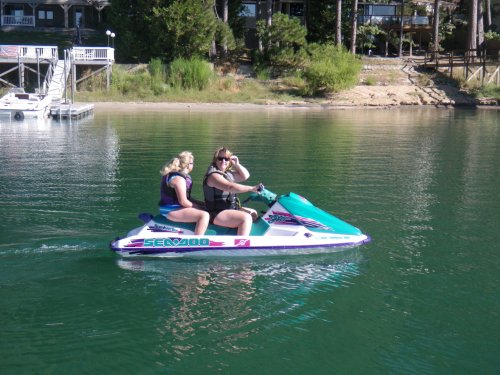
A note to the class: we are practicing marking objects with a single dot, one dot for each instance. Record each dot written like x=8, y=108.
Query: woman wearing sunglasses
x=220, y=186
x=175, y=193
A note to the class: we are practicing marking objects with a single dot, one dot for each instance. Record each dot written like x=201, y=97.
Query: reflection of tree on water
x=216, y=305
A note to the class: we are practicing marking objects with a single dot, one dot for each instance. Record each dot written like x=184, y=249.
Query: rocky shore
x=400, y=82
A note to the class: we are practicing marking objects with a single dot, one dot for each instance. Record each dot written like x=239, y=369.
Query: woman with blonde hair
x=220, y=185
x=175, y=193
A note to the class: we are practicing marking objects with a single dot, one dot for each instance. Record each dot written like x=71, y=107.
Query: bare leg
x=250, y=211
x=235, y=219
x=191, y=215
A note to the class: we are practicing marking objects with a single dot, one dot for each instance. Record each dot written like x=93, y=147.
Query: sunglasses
x=220, y=158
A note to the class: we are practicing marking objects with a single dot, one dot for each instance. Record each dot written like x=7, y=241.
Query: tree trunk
x=401, y=30
x=269, y=12
x=354, y=25
x=435, y=36
x=472, y=26
x=480, y=24
x=338, y=28
x=306, y=12
x=225, y=17
x=487, y=5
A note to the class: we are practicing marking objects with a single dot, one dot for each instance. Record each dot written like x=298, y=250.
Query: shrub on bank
x=126, y=82
x=190, y=74
x=489, y=91
x=158, y=76
x=331, y=69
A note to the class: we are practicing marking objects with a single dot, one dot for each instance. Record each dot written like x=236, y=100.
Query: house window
x=248, y=10
x=45, y=15
x=297, y=10
x=293, y=9
x=383, y=10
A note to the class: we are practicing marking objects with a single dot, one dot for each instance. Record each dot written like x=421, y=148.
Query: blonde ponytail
x=177, y=164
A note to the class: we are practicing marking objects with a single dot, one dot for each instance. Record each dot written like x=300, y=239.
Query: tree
x=230, y=26
x=283, y=42
x=186, y=28
x=472, y=26
x=338, y=27
x=354, y=25
x=480, y=24
x=321, y=23
x=132, y=21
x=225, y=18
x=487, y=5
x=269, y=12
x=367, y=35
x=435, y=34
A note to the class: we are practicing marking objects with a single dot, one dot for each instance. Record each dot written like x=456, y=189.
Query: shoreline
x=239, y=107
x=359, y=97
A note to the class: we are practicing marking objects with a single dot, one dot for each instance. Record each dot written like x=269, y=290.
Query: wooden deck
x=74, y=111
x=34, y=54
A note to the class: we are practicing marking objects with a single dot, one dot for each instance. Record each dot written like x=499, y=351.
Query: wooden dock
x=73, y=111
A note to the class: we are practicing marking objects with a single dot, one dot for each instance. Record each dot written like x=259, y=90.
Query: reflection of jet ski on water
x=290, y=225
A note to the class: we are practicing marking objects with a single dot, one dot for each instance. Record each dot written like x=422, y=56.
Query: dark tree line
x=168, y=29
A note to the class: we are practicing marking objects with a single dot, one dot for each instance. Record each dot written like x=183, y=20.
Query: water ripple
x=226, y=302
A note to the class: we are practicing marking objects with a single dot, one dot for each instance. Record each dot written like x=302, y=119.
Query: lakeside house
x=57, y=14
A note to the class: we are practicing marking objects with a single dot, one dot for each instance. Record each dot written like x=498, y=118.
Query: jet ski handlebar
x=263, y=195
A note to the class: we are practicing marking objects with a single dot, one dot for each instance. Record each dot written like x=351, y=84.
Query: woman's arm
x=219, y=182
x=240, y=172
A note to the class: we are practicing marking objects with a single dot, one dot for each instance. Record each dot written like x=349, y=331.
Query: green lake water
x=421, y=298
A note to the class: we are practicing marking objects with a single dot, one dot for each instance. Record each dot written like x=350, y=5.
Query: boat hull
x=192, y=245
x=291, y=225
x=18, y=105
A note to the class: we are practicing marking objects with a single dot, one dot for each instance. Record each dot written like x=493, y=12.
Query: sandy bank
x=384, y=83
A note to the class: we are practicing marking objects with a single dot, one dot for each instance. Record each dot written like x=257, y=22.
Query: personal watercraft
x=290, y=225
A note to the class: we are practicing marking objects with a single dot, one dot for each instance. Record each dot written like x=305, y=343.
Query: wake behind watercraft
x=290, y=225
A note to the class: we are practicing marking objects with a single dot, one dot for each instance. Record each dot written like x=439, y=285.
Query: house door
x=79, y=17
x=18, y=16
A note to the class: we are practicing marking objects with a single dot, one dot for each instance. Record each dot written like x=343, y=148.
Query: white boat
x=291, y=225
x=18, y=105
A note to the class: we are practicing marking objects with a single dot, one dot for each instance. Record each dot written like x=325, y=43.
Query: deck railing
x=395, y=20
x=471, y=63
x=93, y=53
x=28, y=52
x=50, y=53
x=8, y=20
x=43, y=52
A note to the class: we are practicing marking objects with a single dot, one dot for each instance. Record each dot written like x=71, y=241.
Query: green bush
x=282, y=42
x=492, y=35
x=157, y=71
x=489, y=91
x=126, y=82
x=330, y=69
x=190, y=74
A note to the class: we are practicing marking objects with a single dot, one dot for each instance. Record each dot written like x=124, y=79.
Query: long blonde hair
x=178, y=163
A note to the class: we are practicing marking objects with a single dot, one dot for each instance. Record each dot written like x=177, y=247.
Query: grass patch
x=136, y=86
x=370, y=81
x=489, y=91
